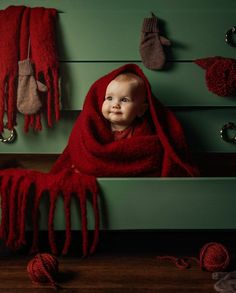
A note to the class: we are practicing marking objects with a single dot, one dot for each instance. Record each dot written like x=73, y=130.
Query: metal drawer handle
x=10, y=138
x=229, y=36
x=224, y=132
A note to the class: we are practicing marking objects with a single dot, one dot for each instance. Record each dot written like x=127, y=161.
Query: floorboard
x=124, y=262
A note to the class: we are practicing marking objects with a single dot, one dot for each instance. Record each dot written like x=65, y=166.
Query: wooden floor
x=121, y=264
x=106, y=272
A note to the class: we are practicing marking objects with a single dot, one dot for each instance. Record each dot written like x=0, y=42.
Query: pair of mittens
x=28, y=101
x=226, y=281
x=151, y=44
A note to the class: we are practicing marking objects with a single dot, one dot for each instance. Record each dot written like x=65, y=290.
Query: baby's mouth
x=116, y=112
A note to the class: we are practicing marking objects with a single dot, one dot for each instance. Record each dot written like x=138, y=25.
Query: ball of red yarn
x=43, y=268
x=214, y=257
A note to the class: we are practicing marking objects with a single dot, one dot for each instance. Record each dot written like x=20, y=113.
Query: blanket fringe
x=18, y=188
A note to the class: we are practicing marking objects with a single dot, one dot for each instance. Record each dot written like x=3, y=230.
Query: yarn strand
x=213, y=257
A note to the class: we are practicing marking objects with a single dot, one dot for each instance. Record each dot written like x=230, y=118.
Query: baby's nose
x=116, y=106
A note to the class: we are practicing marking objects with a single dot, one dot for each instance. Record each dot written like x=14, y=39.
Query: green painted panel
x=201, y=127
x=159, y=203
x=48, y=141
x=182, y=85
x=110, y=30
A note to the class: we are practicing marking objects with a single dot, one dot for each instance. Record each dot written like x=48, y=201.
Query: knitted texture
x=28, y=101
x=151, y=44
x=220, y=75
x=19, y=27
x=92, y=152
x=43, y=269
x=213, y=257
x=9, y=49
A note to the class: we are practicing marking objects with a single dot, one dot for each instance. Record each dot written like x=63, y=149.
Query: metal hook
x=9, y=139
x=224, y=132
x=229, y=36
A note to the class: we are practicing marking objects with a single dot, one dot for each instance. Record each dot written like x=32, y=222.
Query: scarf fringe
x=52, y=103
x=19, y=188
x=8, y=100
x=2, y=103
x=53, y=100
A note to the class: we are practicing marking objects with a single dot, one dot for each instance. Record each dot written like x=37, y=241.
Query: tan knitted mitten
x=28, y=101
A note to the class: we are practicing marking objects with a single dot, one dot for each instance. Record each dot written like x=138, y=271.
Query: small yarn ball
x=43, y=269
x=214, y=257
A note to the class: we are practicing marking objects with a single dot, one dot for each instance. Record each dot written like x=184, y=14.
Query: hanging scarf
x=28, y=33
x=156, y=148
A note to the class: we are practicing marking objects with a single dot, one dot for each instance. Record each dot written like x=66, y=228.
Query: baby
x=125, y=102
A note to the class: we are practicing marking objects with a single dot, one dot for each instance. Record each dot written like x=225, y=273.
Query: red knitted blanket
x=157, y=148
x=28, y=33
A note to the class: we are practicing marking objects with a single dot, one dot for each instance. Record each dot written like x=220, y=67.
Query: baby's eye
x=109, y=98
x=125, y=100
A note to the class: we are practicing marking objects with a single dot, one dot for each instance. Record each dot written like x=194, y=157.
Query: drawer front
x=183, y=86
x=198, y=203
x=93, y=30
x=201, y=126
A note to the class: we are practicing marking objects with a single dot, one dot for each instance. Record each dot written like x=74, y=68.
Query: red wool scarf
x=18, y=25
x=157, y=148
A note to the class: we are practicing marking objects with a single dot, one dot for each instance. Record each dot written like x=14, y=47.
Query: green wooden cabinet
x=97, y=36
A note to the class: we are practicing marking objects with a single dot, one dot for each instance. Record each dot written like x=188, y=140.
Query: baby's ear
x=143, y=109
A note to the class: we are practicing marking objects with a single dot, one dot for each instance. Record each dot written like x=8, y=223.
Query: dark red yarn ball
x=43, y=269
x=214, y=257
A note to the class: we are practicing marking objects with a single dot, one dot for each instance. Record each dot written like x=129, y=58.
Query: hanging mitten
x=28, y=101
x=151, y=50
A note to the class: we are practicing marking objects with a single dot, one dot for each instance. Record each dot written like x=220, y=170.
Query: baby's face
x=123, y=103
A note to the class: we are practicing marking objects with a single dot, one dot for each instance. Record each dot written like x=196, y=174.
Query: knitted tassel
x=2, y=103
x=11, y=101
x=96, y=222
x=51, y=235
x=25, y=187
x=83, y=209
x=35, y=214
x=56, y=94
x=5, y=183
x=67, y=209
x=92, y=188
x=13, y=211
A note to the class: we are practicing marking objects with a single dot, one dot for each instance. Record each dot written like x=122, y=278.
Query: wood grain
x=108, y=273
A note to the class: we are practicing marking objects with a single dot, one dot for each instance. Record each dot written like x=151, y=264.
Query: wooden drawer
x=183, y=85
x=158, y=203
x=201, y=126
